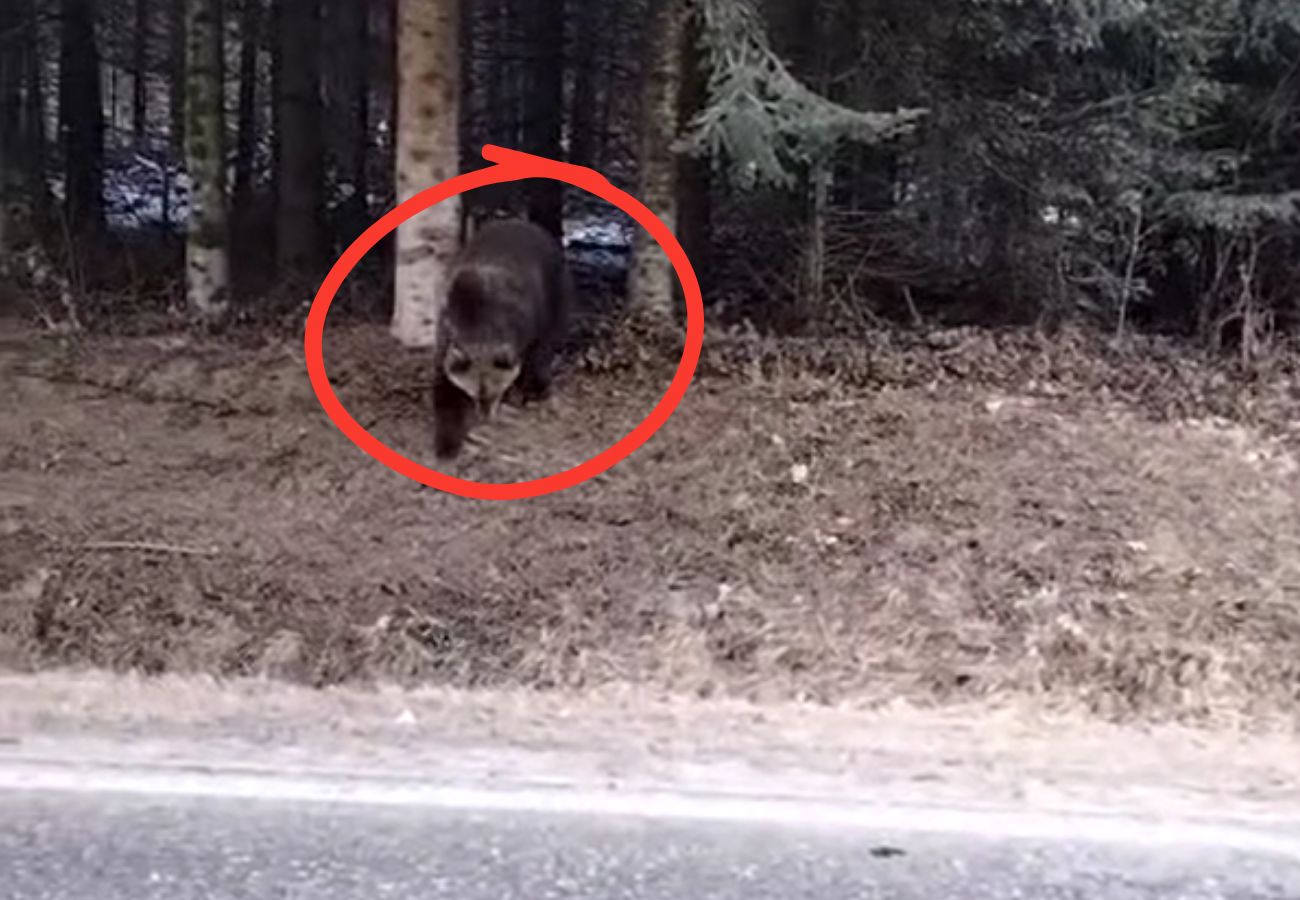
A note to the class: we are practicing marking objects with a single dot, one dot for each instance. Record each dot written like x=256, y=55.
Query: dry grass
x=972, y=516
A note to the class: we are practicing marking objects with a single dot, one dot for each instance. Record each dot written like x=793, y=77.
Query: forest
x=998, y=395
x=828, y=165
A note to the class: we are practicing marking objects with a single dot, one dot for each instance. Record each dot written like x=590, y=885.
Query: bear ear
x=456, y=359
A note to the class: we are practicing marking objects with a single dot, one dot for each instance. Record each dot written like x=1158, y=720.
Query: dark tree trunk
x=361, y=117
x=301, y=170
x=603, y=102
x=495, y=111
x=250, y=37
x=694, y=181
x=544, y=110
x=140, y=84
x=586, y=18
x=35, y=141
x=349, y=39
x=81, y=118
x=11, y=116
x=176, y=100
x=11, y=83
x=277, y=120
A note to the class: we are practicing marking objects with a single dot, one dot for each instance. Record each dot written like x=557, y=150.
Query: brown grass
x=965, y=516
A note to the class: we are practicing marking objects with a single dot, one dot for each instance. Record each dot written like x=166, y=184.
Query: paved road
x=97, y=845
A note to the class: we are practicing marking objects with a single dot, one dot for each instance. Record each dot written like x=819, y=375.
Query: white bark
x=650, y=282
x=206, y=267
x=428, y=94
x=207, y=279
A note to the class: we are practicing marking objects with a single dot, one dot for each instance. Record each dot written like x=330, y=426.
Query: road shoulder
x=1016, y=771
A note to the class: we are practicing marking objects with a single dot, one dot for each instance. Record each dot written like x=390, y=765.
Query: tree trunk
x=544, y=111
x=206, y=269
x=81, y=119
x=350, y=109
x=650, y=283
x=11, y=94
x=361, y=117
x=301, y=171
x=383, y=153
x=694, y=178
x=428, y=100
x=35, y=139
x=817, y=178
x=812, y=283
x=276, y=13
x=113, y=119
x=11, y=75
x=250, y=38
x=140, y=82
x=175, y=102
x=586, y=20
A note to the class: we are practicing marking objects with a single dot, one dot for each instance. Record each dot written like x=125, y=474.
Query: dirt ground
x=960, y=518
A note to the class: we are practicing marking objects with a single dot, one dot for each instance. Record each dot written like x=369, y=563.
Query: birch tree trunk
x=428, y=99
x=206, y=263
x=650, y=282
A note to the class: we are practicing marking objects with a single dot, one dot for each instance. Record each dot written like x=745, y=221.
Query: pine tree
x=761, y=124
x=301, y=171
x=81, y=118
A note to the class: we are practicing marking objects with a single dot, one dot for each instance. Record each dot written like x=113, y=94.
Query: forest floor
x=967, y=517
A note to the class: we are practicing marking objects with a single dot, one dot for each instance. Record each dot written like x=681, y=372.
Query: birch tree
x=206, y=262
x=650, y=281
x=428, y=94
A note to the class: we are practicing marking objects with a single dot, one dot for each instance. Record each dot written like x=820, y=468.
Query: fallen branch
x=146, y=547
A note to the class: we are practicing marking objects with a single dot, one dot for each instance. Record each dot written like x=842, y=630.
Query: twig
x=917, y=321
x=147, y=547
x=1130, y=266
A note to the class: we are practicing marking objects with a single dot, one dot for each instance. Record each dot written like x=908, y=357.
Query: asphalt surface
x=105, y=845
